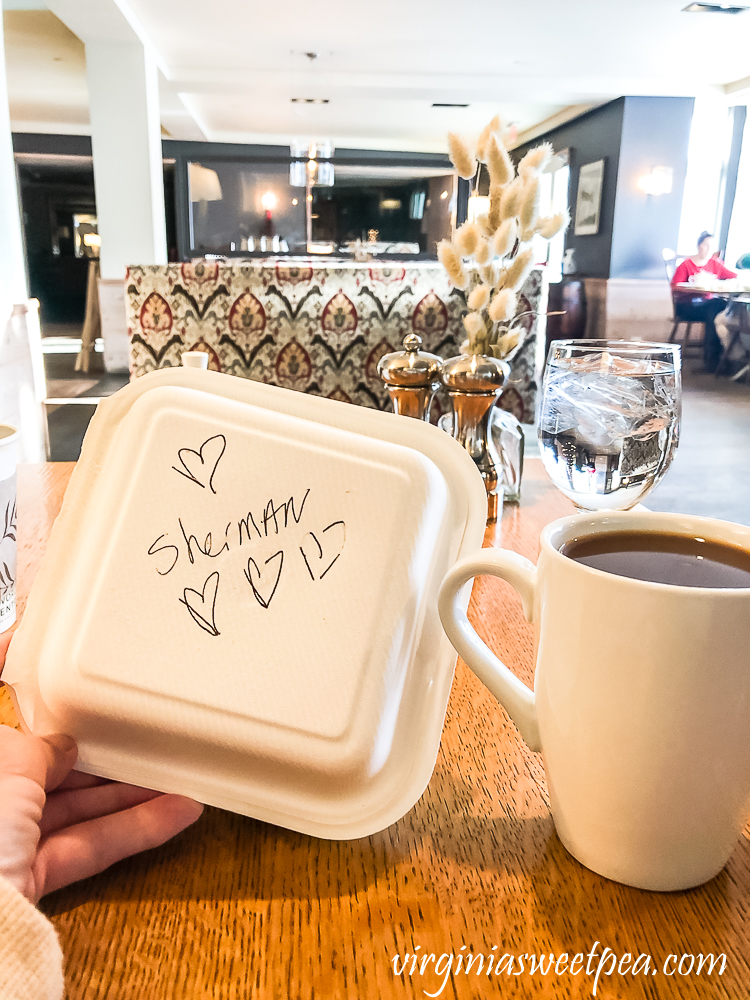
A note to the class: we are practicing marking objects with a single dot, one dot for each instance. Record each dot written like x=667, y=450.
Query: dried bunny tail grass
x=479, y=297
x=474, y=326
x=450, y=258
x=482, y=141
x=494, y=216
x=511, y=200
x=466, y=238
x=503, y=306
x=489, y=275
x=482, y=224
x=535, y=160
x=505, y=237
x=519, y=270
x=507, y=343
x=461, y=156
x=498, y=162
x=494, y=126
x=483, y=252
x=552, y=224
x=528, y=212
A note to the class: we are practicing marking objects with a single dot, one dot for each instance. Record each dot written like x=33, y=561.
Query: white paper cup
x=8, y=521
x=195, y=359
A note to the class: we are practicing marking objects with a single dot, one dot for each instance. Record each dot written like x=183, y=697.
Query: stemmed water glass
x=610, y=419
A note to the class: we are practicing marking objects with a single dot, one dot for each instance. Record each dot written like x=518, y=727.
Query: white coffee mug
x=641, y=700
x=8, y=523
x=195, y=359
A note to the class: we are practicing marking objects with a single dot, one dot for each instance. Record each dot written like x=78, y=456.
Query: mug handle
x=517, y=699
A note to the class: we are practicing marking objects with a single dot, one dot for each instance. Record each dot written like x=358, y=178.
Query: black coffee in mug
x=679, y=560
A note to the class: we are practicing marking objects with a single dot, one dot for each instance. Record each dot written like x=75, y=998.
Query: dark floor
x=710, y=474
x=67, y=422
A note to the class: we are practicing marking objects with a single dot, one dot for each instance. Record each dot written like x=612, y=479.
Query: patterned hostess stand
x=315, y=326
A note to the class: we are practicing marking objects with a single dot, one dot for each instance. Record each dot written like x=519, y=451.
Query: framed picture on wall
x=589, y=199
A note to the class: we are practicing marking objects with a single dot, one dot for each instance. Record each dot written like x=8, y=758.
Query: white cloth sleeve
x=30, y=955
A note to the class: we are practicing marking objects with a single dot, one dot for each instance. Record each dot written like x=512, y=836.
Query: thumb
x=45, y=761
x=61, y=753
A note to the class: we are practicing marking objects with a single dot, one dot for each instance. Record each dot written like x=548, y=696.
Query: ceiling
x=230, y=68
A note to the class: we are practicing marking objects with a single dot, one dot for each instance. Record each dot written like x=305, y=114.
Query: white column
x=13, y=287
x=22, y=386
x=126, y=142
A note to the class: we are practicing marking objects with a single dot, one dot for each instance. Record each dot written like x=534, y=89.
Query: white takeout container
x=238, y=601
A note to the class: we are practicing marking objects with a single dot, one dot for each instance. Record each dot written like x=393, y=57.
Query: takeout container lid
x=238, y=601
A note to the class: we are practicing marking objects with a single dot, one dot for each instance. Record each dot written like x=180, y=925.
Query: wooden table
x=234, y=908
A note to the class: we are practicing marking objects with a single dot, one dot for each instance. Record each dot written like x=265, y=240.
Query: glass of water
x=610, y=419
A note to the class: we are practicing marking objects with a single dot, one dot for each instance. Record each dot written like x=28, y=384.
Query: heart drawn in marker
x=202, y=604
x=196, y=464
x=321, y=553
x=264, y=578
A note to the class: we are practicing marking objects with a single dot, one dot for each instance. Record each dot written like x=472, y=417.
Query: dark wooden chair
x=692, y=346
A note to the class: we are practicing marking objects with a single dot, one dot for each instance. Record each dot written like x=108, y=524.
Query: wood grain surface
x=234, y=908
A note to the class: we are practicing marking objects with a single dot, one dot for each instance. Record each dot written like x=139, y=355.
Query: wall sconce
x=657, y=181
x=269, y=201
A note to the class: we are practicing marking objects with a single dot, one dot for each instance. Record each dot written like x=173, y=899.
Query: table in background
x=319, y=326
x=740, y=334
x=235, y=908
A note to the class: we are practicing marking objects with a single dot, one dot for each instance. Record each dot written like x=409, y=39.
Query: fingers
x=79, y=779
x=77, y=805
x=61, y=758
x=45, y=761
x=88, y=848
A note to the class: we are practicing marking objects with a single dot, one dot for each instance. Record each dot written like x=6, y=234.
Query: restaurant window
x=738, y=237
x=708, y=155
x=554, y=183
x=251, y=207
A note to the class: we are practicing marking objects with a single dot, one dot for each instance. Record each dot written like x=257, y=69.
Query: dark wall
x=260, y=158
x=594, y=136
x=49, y=198
x=632, y=135
x=50, y=192
x=655, y=133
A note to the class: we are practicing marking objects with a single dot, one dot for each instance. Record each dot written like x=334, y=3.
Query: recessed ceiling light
x=713, y=8
x=309, y=100
x=440, y=104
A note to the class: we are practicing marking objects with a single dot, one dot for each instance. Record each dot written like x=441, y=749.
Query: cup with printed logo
x=8, y=526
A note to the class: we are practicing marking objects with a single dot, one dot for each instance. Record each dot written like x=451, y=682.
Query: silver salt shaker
x=412, y=377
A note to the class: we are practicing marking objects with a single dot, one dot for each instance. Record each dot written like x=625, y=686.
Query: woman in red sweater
x=703, y=307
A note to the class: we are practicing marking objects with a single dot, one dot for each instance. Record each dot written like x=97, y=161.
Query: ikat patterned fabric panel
x=312, y=326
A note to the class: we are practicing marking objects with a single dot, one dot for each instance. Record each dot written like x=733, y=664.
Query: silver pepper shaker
x=474, y=382
x=412, y=377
